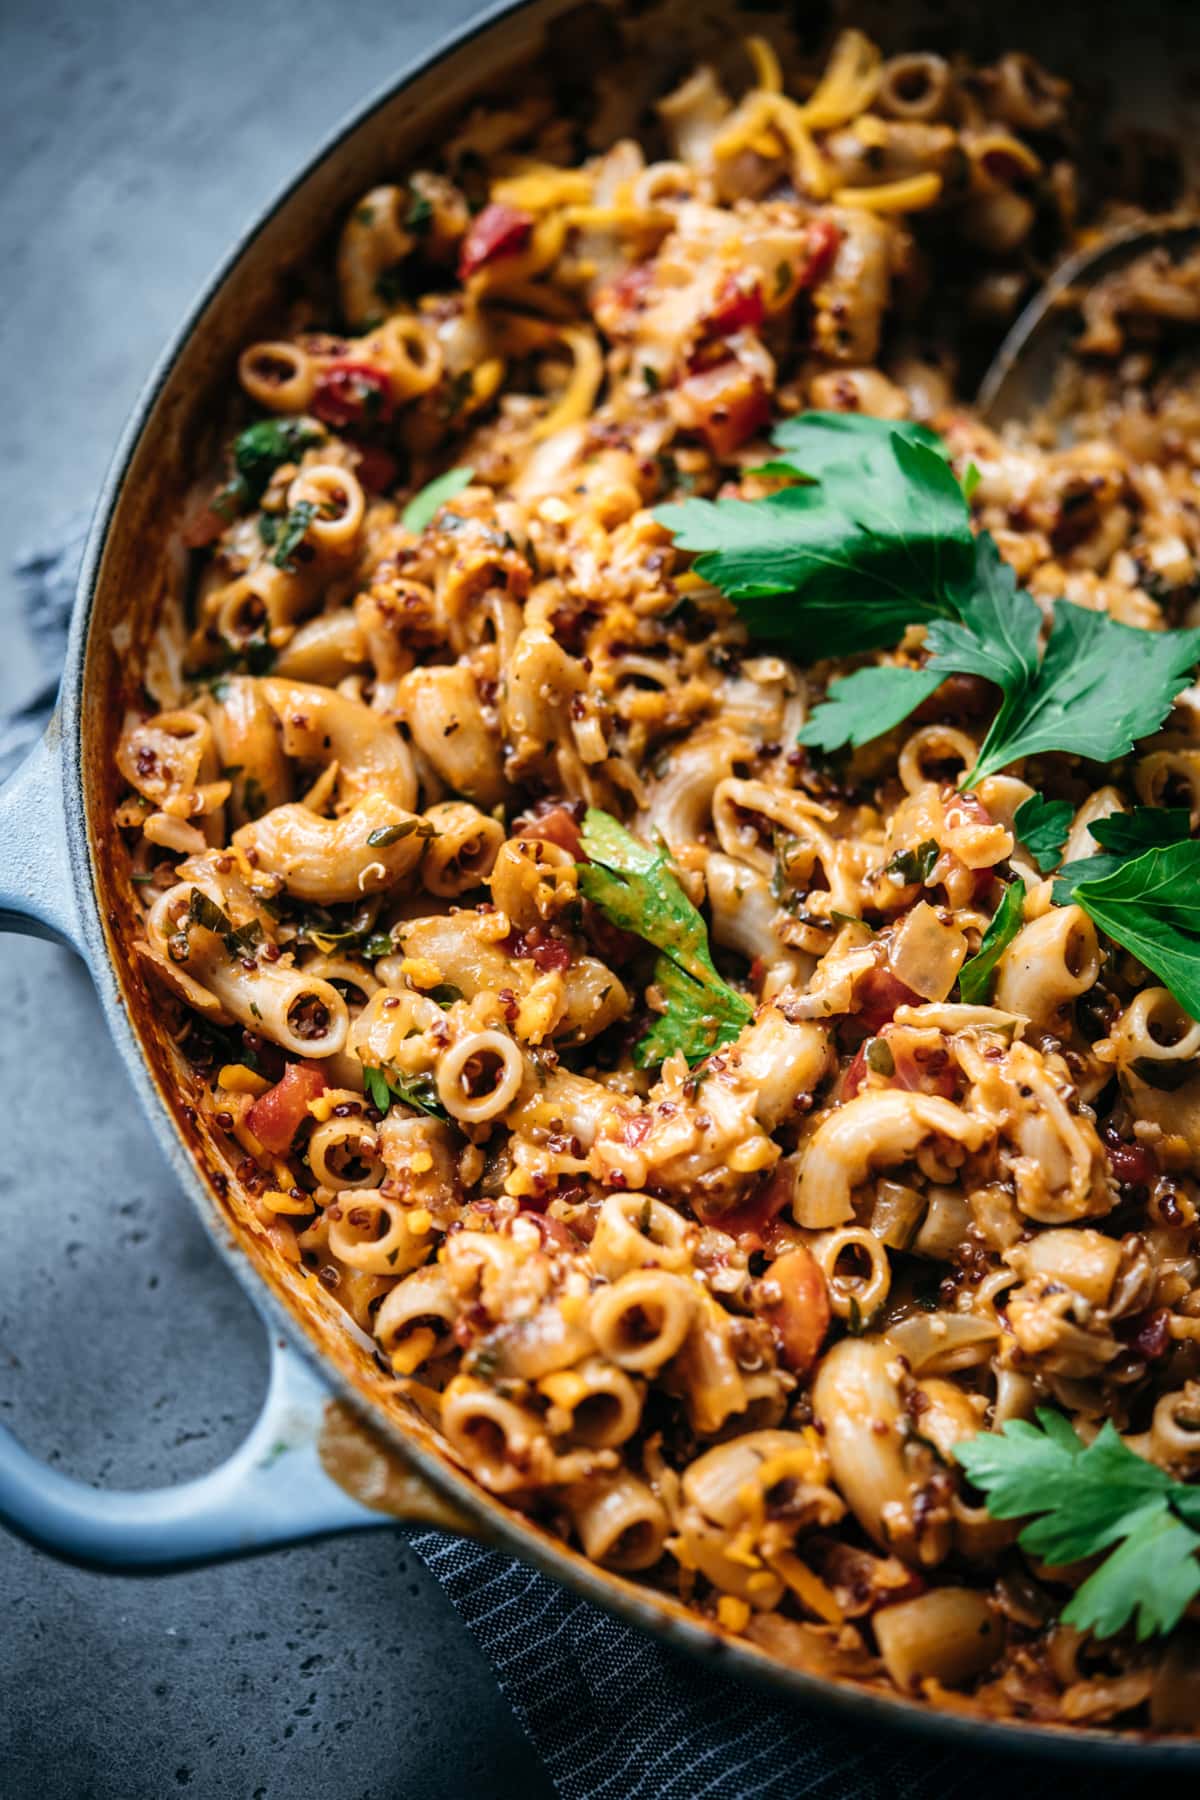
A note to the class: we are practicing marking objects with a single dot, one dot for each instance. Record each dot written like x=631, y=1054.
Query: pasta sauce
x=717, y=1129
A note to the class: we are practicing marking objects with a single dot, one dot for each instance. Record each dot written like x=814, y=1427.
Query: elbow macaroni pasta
x=720, y=1326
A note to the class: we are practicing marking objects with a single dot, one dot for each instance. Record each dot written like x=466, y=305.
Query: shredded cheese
x=913, y=194
x=276, y=1201
x=766, y=64
x=848, y=85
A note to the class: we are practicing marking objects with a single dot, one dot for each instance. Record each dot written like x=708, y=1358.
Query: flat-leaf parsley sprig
x=1150, y=905
x=1142, y=888
x=978, y=972
x=636, y=888
x=1083, y=1500
x=1042, y=826
x=874, y=535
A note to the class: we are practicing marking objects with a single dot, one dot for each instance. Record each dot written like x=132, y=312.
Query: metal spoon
x=1021, y=376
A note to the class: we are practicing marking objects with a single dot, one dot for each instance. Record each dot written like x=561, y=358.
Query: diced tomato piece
x=1133, y=1165
x=739, y=307
x=915, y=1070
x=856, y=1073
x=920, y=1070
x=202, y=527
x=377, y=468
x=824, y=241
x=801, y=1314
x=981, y=881
x=277, y=1115
x=879, y=993
x=727, y=404
x=554, y=822
x=964, y=809
x=353, y=393
x=754, y=1223
x=498, y=230
x=630, y=287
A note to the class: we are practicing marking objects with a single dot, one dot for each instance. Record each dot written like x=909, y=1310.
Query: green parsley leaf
x=242, y=941
x=1122, y=835
x=419, y=217
x=262, y=448
x=383, y=835
x=290, y=534
x=970, y=481
x=418, y=1091
x=864, y=705
x=1145, y=828
x=378, y=1091
x=445, y=993
x=700, y=1016
x=207, y=914
x=819, y=441
x=1150, y=905
x=1042, y=826
x=636, y=888
x=1083, y=1500
x=878, y=539
x=876, y=536
x=917, y=864
x=1100, y=686
x=1151, y=1578
x=421, y=508
x=975, y=976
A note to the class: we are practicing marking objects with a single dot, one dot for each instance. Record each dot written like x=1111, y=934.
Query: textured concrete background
x=136, y=138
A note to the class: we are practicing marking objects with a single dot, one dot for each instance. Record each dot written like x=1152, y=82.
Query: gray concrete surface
x=135, y=139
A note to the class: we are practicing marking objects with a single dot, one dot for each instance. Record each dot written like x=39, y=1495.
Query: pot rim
x=504, y=1529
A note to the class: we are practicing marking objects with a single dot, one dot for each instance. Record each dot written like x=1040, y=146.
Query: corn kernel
x=541, y=1009
x=565, y=1387
x=422, y=971
x=420, y=1221
x=732, y=1613
x=492, y=927
x=421, y=1162
x=412, y=1352
x=757, y=1153
x=241, y=1080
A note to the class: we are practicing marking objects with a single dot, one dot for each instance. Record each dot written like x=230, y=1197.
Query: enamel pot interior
x=176, y=437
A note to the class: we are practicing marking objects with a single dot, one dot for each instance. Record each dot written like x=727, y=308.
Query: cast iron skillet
x=324, y=1455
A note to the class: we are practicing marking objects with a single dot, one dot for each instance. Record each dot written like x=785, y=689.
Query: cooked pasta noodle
x=720, y=1315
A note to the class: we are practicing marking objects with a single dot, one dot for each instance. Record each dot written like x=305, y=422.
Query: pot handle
x=37, y=892
x=308, y=1468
